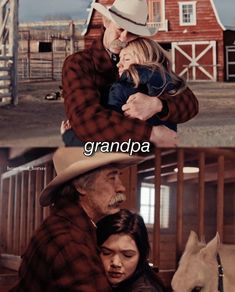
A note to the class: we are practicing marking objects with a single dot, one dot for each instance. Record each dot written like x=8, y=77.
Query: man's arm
x=89, y=120
x=180, y=107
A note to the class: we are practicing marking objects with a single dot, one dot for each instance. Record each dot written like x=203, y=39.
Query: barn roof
x=224, y=11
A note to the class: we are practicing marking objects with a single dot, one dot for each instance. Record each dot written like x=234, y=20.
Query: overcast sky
x=36, y=10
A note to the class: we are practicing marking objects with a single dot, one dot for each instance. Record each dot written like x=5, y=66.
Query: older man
x=87, y=76
x=62, y=255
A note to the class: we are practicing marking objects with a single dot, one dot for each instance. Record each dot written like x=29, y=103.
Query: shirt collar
x=101, y=57
x=77, y=216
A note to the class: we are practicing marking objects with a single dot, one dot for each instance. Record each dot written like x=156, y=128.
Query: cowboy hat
x=71, y=162
x=129, y=15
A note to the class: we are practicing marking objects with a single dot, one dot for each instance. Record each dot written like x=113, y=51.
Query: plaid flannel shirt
x=63, y=256
x=86, y=76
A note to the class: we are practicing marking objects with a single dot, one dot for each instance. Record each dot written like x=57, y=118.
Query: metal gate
x=230, y=63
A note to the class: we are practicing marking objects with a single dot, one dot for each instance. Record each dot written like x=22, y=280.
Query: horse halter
x=220, y=274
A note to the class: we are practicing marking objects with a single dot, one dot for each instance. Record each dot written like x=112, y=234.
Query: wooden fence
x=6, y=73
x=40, y=66
x=34, y=63
x=8, y=51
x=20, y=211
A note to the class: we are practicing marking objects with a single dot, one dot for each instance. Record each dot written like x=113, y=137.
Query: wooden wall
x=20, y=211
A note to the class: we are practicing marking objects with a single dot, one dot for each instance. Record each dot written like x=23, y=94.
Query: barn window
x=156, y=13
x=187, y=11
x=147, y=204
x=45, y=47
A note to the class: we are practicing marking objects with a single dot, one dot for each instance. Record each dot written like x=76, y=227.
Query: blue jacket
x=151, y=83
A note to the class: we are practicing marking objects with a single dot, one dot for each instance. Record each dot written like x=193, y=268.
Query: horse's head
x=197, y=269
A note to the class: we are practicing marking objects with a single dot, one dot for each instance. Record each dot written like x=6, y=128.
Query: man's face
x=116, y=38
x=105, y=194
x=120, y=257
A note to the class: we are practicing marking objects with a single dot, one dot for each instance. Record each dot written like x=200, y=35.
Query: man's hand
x=142, y=106
x=162, y=136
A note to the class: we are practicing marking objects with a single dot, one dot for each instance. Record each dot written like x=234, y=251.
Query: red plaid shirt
x=86, y=77
x=63, y=256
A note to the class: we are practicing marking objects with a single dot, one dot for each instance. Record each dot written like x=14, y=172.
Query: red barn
x=202, y=47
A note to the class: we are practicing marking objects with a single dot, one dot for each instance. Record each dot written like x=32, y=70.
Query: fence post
x=201, y=196
x=156, y=226
x=13, y=47
x=180, y=193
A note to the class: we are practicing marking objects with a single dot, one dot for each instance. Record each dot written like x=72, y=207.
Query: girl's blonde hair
x=150, y=54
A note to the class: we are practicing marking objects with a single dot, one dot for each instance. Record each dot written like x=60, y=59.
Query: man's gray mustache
x=119, y=198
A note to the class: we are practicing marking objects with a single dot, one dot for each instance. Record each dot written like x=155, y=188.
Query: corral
x=36, y=121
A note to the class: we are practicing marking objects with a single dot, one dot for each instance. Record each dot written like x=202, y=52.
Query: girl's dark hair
x=128, y=223
x=132, y=224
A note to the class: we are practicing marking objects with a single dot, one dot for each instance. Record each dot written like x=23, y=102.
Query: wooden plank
x=129, y=180
x=6, y=58
x=4, y=2
x=5, y=95
x=10, y=232
x=3, y=24
x=23, y=211
x=7, y=69
x=16, y=224
x=38, y=189
x=180, y=191
x=48, y=175
x=201, y=196
x=4, y=213
x=6, y=86
x=31, y=204
x=13, y=44
x=7, y=77
x=156, y=225
x=220, y=197
x=10, y=261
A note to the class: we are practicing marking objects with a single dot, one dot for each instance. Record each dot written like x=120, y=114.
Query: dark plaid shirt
x=87, y=77
x=62, y=256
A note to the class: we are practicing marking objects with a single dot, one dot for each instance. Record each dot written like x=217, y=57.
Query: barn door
x=195, y=60
x=230, y=63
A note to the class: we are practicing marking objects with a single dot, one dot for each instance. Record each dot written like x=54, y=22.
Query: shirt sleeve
x=76, y=269
x=181, y=107
x=89, y=120
x=70, y=139
x=177, y=108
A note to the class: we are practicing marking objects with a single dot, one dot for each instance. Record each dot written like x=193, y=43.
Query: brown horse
x=205, y=267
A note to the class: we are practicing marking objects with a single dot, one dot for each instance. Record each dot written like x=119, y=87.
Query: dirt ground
x=36, y=121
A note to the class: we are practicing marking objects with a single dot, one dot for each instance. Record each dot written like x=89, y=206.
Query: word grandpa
x=130, y=147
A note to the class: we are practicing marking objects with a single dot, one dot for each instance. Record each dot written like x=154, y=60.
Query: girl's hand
x=65, y=125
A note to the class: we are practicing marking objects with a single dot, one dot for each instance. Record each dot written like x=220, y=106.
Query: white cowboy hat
x=71, y=162
x=130, y=15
